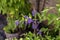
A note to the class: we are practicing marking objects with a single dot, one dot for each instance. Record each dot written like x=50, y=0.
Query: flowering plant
x=34, y=25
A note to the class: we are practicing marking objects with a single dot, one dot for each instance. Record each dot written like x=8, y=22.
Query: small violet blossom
x=39, y=33
x=34, y=12
x=17, y=22
x=26, y=17
x=29, y=20
x=34, y=25
x=1, y=26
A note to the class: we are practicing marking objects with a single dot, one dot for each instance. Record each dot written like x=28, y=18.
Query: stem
x=35, y=24
x=59, y=32
x=34, y=30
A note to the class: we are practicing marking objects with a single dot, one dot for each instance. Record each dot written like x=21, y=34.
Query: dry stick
x=37, y=4
x=41, y=5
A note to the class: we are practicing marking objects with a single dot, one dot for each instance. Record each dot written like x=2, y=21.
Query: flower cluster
x=33, y=21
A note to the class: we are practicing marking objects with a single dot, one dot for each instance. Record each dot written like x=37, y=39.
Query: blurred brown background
x=39, y=5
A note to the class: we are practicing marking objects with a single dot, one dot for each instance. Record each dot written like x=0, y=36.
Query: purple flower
x=39, y=33
x=26, y=17
x=29, y=20
x=1, y=26
x=35, y=24
x=17, y=22
x=34, y=12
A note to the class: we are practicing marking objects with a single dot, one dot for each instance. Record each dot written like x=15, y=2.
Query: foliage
x=19, y=15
